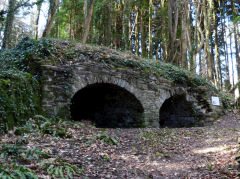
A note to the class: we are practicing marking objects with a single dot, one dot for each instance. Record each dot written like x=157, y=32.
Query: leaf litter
x=199, y=152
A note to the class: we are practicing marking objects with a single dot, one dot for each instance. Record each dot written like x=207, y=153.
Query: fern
x=105, y=138
x=18, y=153
x=15, y=171
x=61, y=169
x=52, y=127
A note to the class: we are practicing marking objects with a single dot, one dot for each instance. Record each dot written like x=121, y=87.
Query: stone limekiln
x=85, y=89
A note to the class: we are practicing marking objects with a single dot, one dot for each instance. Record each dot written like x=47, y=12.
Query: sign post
x=215, y=101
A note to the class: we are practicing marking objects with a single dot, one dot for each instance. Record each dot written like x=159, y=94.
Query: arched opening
x=107, y=106
x=177, y=112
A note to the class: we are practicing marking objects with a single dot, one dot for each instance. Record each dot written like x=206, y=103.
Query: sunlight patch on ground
x=154, y=165
x=209, y=149
x=168, y=166
x=221, y=149
x=217, y=140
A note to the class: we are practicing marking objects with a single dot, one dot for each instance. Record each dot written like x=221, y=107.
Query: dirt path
x=206, y=152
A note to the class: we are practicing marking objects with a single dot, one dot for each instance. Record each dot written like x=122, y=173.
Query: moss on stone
x=31, y=53
x=20, y=74
x=55, y=52
x=18, y=98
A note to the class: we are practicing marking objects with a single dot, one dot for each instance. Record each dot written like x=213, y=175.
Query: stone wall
x=61, y=83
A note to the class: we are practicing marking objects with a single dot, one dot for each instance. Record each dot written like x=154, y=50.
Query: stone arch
x=81, y=82
x=177, y=111
x=107, y=105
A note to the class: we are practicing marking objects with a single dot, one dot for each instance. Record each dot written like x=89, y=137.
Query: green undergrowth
x=57, y=127
x=45, y=126
x=20, y=154
x=15, y=171
x=26, y=55
x=106, y=138
x=18, y=98
x=20, y=158
x=60, y=168
x=20, y=82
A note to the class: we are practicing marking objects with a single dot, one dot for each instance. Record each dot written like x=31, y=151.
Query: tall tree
x=184, y=39
x=173, y=17
x=88, y=21
x=143, y=32
x=53, y=6
x=235, y=32
x=164, y=29
x=150, y=42
x=186, y=33
x=207, y=26
x=9, y=24
x=198, y=39
x=36, y=23
x=217, y=55
x=108, y=28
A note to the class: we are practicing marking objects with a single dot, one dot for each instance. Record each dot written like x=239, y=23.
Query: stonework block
x=60, y=85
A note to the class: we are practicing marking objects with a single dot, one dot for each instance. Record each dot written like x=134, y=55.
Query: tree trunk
x=51, y=13
x=231, y=54
x=70, y=22
x=164, y=31
x=8, y=25
x=173, y=12
x=206, y=45
x=85, y=10
x=108, y=22
x=133, y=30
x=207, y=27
x=235, y=33
x=150, y=43
x=199, y=39
x=39, y=5
x=125, y=30
x=208, y=34
x=184, y=36
x=88, y=21
x=217, y=55
x=213, y=69
x=137, y=32
x=130, y=33
x=200, y=64
x=143, y=34
x=226, y=54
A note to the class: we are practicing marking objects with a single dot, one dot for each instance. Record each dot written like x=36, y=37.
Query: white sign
x=215, y=101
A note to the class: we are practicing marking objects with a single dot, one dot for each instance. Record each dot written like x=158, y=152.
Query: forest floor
x=199, y=152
